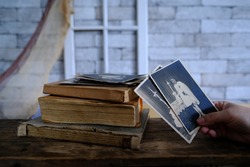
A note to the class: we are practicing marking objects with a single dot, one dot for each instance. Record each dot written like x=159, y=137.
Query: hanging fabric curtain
x=22, y=83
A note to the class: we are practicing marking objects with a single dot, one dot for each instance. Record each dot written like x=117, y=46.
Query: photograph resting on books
x=105, y=79
x=151, y=95
x=182, y=94
x=111, y=78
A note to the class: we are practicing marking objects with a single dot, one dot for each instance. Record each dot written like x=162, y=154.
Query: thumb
x=212, y=118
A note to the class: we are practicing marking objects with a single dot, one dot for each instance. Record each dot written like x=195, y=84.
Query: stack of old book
x=94, y=108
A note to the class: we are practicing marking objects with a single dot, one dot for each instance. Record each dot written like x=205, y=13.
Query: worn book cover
x=59, y=109
x=125, y=137
x=98, y=91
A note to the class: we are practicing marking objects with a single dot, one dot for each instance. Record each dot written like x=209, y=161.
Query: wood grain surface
x=161, y=146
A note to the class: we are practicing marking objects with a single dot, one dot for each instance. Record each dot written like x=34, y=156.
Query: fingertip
x=200, y=121
x=204, y=130
x=212, y=133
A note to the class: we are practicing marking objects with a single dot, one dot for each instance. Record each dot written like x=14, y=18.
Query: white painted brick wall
x=225, y=26
x=161, y=40
x=241, y=39
x=88, y=53
x=122, y=40
x=154, y=63
x=9, y=54
x=203, y=13
x=17, y=27
x=87, y=3
x=127, y=2
x=174, y=2
x=174, y=26
x=115, y=54
x=158, y=13
x=121, y=13
x=8, y=14
x=29, y=14
x=86, y=39
x=8, y=41
x=123, y=67
x=226, y=3
x=184, y=40
x=214, y=93
x=173, y=53
x=239, y=66
x=20, y=3
x=241, y=13
x=122, y=54
x=129, y=54
x=205, y=66
x=213, y=40
x=223, y=79
x=238, y=92
x=86, y=67
x=226, y=53
x=85, y=13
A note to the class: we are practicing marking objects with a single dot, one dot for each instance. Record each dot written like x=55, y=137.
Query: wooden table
x=161, y=146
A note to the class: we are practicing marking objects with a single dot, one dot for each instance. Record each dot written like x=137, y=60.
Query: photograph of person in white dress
x=182, y=94
x=186, y=96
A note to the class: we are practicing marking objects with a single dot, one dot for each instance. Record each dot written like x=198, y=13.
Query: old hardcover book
x=126, y=137
x=111, y=92
x=59, y=109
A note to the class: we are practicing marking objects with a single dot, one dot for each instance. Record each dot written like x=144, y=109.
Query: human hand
x=232, y=121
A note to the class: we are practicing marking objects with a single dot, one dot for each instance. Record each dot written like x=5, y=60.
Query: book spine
x=104, y=94
x=108, y=139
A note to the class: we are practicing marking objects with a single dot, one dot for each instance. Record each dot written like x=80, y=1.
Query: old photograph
x=151, y=95
x=183, y=94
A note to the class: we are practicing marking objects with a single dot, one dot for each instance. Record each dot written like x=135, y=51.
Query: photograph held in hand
x=182, y=97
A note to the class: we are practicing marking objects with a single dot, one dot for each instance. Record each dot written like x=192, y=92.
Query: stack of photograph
x=172, y=92
x=93, y=108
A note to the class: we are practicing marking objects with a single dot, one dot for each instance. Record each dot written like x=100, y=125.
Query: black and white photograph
x=151, y=95
x=111, y=77
x=182, y=94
